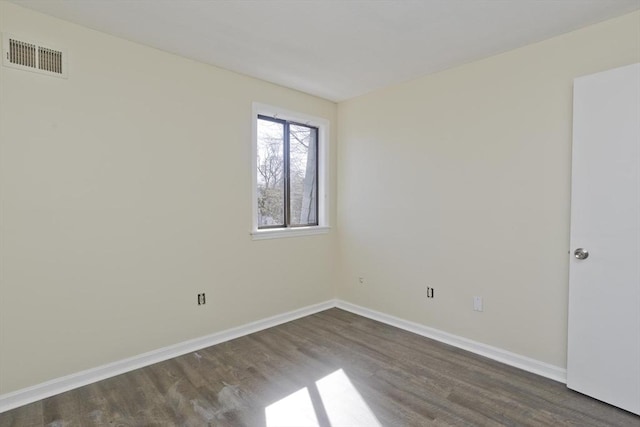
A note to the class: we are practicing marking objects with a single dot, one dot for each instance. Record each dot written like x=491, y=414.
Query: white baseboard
x=525, y=363
x=59, y=385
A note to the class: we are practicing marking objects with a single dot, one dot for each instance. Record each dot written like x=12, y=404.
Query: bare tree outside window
x=287, y=177
x=270, y=173
x=303, y=176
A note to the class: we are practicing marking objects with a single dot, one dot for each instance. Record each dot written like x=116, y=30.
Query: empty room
x=320, y=213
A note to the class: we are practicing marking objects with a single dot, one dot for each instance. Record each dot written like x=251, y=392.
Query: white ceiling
x=331, y=48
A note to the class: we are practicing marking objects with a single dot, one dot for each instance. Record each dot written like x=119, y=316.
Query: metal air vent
x=33, y=56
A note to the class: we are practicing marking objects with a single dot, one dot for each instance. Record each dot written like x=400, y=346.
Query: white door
x=604, y=288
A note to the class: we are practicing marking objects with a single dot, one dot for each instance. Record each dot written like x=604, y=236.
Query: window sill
x=279, y=233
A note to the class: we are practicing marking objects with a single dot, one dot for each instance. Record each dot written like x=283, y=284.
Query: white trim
x=324, y=134
x=543, y=369
x=59, y=385
x=276, y=233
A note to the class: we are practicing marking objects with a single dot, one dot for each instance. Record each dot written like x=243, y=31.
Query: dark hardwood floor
x=330, y=369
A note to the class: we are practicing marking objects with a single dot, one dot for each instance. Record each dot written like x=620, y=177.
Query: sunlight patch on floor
x=332, y=399
x=295, y=410
x=343, y=403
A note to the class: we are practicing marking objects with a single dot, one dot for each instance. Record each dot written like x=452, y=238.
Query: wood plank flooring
x=333, y=368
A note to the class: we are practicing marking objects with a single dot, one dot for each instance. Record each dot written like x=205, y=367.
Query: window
x=289, y=173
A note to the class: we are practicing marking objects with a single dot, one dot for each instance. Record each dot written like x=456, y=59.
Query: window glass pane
x=270, y=173
x=303, y=174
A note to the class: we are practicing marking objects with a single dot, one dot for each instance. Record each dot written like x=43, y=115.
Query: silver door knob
x=581, y=253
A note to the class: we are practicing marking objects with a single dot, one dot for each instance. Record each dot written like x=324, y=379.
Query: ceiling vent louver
x=32, y=56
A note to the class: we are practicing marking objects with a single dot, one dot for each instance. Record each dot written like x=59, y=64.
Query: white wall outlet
x=477, y=304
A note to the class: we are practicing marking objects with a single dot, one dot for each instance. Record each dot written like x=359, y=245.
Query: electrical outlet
x=429, y=292
x=477, y=304
x=201, y=299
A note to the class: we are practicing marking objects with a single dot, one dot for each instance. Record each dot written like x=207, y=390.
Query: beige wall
x=461, y=181
x=124, y=192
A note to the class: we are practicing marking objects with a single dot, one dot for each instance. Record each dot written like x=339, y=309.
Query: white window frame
x=323, y=126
